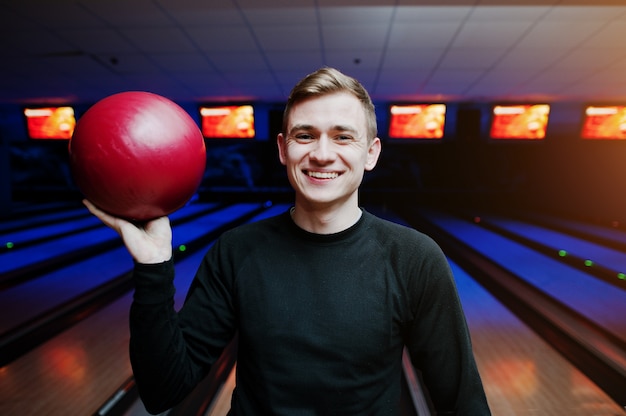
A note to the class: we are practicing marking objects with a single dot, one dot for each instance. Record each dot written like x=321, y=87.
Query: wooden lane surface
x=75, y=372
x=221, y=403
x=521, y=373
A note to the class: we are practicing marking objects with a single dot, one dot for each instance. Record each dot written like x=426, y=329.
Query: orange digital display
x=50, y=122
x=604, y=122
x=231, y=121
x=419, y=121
x=520, y=121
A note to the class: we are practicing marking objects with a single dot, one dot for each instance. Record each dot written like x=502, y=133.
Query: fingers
x=148, y=242
x=91, y=207
x=107, y=219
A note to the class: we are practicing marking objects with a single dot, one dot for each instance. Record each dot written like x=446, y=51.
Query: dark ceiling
x=221, y=50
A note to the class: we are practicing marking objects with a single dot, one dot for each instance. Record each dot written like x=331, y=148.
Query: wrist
x=154, y=258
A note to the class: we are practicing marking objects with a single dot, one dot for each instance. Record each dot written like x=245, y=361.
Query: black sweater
x=322, y=322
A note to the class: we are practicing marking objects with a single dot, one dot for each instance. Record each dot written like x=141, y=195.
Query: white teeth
x=323, y=175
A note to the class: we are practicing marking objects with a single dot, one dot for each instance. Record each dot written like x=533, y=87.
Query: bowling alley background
x=448, y=82
x=486, y=108
x=558, y=170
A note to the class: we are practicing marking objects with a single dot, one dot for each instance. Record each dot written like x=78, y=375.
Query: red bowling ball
x=137, y=155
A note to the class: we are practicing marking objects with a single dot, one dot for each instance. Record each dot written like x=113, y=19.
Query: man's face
x=325, y=149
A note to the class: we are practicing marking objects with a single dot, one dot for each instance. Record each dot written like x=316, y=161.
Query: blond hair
x=327, y=81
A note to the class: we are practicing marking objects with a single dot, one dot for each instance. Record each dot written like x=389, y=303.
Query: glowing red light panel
x=419, y=121
x=526, y=122
x=50, y=122
x=604, y=122
x=227, y=122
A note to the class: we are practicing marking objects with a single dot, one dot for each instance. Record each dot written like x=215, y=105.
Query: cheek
x=292, y=155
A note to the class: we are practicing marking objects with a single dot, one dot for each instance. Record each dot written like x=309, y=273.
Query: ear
x=373, y=152
x=280, y=141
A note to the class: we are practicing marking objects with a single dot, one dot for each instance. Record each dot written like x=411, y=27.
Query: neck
x=320, y=221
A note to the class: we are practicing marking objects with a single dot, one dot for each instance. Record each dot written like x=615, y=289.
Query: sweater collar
x=327, y=238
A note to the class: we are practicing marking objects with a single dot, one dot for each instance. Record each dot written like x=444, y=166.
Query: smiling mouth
x=322, y=175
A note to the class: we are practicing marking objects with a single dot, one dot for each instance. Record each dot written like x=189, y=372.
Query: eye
x=342, y=138
x=303, y=137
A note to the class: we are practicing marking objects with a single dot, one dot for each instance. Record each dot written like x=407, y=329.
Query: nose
x=322, y=150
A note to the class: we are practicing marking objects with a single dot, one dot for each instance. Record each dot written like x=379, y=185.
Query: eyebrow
x=309, y=127
x=297, y=127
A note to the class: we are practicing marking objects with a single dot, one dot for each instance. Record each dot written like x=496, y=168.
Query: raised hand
x=147, y=242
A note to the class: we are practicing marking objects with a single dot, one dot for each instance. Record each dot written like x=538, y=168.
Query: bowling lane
x=77, y=371
x=609, y=258
x=19, y=258
x=38, y=219
x=32, y=235
x=521, y=373
x=13, y=260
x=595, y=299
x=614, y=236
x=21, y=238
x=33, y=298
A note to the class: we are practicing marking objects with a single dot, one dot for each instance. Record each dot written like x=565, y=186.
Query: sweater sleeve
x=167, y=356
x=439, y=341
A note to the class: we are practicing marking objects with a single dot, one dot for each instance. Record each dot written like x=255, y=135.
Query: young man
x=324, y=297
